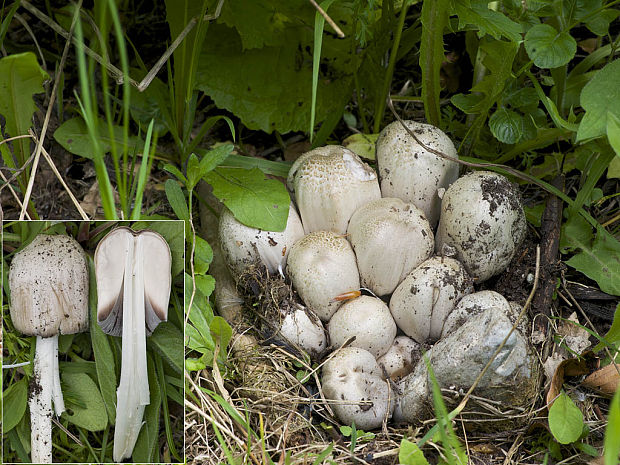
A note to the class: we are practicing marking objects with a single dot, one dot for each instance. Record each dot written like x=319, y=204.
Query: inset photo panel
x=92, y=342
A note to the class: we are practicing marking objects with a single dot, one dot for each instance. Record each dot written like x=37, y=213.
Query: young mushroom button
x=133, y=289
x=48, y=280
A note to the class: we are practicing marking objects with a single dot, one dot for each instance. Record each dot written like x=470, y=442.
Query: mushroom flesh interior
x=133, y=288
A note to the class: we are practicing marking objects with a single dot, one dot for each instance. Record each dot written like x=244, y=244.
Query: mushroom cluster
x=374, y=234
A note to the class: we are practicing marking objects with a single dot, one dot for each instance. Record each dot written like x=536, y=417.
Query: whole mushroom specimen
x=49, y=296
x=400, y=358
x=352, y=383
x=243, y=245
x=390, y=238
x=482, y=218
x=322, y=266
x=410, y=172
x=330, y=183
x=421, y=303
x=133, y=289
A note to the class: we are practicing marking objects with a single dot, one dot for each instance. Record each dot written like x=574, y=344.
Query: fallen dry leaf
x=570, y=367
x=605, y=380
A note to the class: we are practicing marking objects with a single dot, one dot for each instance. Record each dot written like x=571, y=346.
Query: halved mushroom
x=330, y=183
x=133, y=288
x=49, y=296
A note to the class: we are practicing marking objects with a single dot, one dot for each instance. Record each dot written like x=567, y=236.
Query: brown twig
x=328, y=19
x=550, y=245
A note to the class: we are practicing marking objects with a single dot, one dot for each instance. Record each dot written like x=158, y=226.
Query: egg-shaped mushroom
x=322, y=266
x=401, y=357
x=390, y=238
x=421, y=303
x=410, y=172
x=352, y=384
x=369, y=320
x=483, y=219
x=243, y=245
x=330, y=183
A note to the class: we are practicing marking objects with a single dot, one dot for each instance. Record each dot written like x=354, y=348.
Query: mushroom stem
x=45, y=391
x=133, y=390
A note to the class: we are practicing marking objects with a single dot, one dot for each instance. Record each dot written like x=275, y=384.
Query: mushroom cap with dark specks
x=48, y=280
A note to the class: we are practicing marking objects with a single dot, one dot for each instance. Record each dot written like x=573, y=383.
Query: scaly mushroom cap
x=408, y=171
x=401, y=357
x=322, y=266
x=422, y=302
x=49, y=287
x=482, y=218
x=390, y=238
x=352, y=384
x=330, y=183
x=369, y=320
x=110, y=271
x=243, y=245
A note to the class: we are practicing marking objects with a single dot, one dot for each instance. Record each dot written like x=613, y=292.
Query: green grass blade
x=147, y=162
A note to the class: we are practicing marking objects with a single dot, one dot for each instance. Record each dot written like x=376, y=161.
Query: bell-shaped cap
x=49, y=287
x=330, y=183
x=110, y=264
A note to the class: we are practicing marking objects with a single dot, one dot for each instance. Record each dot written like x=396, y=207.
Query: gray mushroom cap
x=425, y=298
x=483, y=219
x=110, y=261
x=390, y=238
x=410, y=172
x=330, y=183
x=352, y=384
x=49, y=287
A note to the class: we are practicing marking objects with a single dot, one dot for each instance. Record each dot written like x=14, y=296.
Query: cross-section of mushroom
x=49, y=296
x=133, y=289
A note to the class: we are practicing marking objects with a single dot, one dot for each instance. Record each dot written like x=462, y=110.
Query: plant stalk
x=45, y=391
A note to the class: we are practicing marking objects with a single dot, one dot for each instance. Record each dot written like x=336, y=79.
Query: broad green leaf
x=151, y=104
x=203, y=255
x=522, y=97
x=277, y=168
x=613, y=132
x=250, y=82
x=599, y=260
x=168, y=341
x=222, y=332
x=614, y=168
x=214, y=157
x=565, y=420
x=14, y=399
x=73, y=136
x=173, y=232
x=410, y=454
x=145, y=450
x=599, y=97
x=104, y=358
x=205, y=284
x=87, y=409
x=176, y=199
x=613, y=335
x=549, y=48
x=506, y=126
x=362, y=144
x=485, y=20
x=434, y=18
x=254, y=200
x=20, y=78
x=611, y=449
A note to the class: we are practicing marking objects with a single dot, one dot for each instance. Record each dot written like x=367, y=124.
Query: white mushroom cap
x=352, y=383
x=390, y=238
x=401, y=357
x=410, y=172
x=474, y=304
x=305, y=330
x=421, y=303
x=369, y=320
x=330, y=183
x=483, y=219
x=322, y=266
x=243, y=245
x=49, y=287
